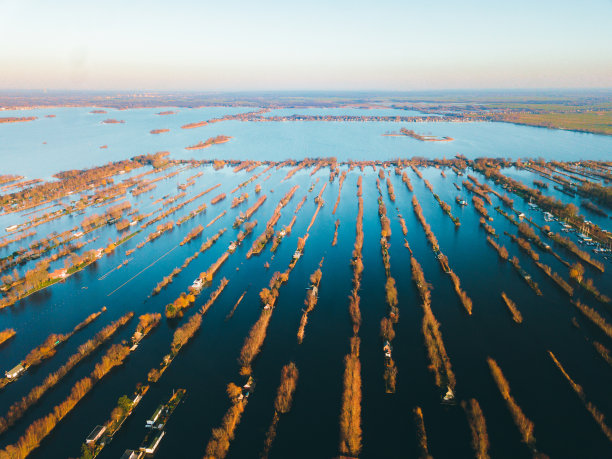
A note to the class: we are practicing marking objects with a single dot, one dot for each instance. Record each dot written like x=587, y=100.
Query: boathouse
x=95, y=435
x=15, y=372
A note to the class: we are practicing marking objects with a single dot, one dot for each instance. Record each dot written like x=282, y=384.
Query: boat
x=197, y=284
x=11, y=228
x=449, y=397
x=461, y=201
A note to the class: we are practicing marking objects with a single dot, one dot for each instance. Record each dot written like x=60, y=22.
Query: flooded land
x=297, y=282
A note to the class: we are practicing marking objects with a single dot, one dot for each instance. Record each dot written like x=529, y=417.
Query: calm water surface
x=563, y=427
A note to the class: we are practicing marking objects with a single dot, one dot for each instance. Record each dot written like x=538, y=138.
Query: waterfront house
x=58, y=274
x=95, y=435
x=15, y=372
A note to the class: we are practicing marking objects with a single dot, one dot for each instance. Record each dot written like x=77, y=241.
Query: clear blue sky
x=335, y=44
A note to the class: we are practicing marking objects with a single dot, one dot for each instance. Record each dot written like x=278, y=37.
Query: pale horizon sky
x=239, y=45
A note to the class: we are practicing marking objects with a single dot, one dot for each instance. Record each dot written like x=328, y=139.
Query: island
x=113, y=121
x=98, y=111
x=15, y=119
x=159, y=131
x=194, y=125
x=414, y=135
x=167, y=112
x=211, y=141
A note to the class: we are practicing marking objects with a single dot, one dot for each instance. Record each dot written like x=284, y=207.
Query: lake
x=204, y=367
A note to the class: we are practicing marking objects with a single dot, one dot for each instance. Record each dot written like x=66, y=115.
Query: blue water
x=563, y=427
x=74, y=137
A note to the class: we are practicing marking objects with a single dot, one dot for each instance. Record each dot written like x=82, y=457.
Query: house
x=15, y=372
x=131, y=454
x=95, y=435
x=151, y=422
x=197, y=284
x=58, y=274
x=151, y=447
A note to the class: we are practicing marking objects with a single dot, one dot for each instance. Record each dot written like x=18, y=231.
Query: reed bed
x=403, y=224
x=17, y=410
x=335, y=239
x=480, y=208
x=478, y=427
x=440, y=363
x=7, y=334
x=477, y=190
x=597, y=415
x=421, y=434
x=562, y=283
x=501, y=250
x=176, y=271
x=350, y=415
x=260, y=243
x=603, y=351
x=282, y=403
x=48, y=348
x=237, y=200
x=390, y=190
x=488, y=228
x=594, y=317
x=310, y=303
x=278, y=237
x=340, y=183
x=442, y=259
x=221, y=436
x=231, y=313
x=522, y=422
x=185, y=332
x=407, y=181
x=194, y=233
x=526, y=277
x=576, y=273
x=191, y=214
x=516, y=314
x=257, y=334
x=250, y=211
x=300, y=204
x=40, y=428
x=212, y=222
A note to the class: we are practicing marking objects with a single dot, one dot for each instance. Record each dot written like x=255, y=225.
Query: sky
x=311, y=45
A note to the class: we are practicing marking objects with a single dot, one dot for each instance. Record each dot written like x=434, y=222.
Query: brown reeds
x=19, y=408
x=478, y=427
x=421, y=433
x=216, y=218
x=335, y=239
x=282, y=402
x=597, y=415
x=594, y=317
x=7, y=334
x=516, y=314
x=254, y=341
x=231, y=313
x=406, y=180
x=220, y=439
x=42, y=427
x=340, y=183
x=310, y=302
x=350, y=416
x=522, y=422
x=439, y=361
